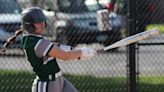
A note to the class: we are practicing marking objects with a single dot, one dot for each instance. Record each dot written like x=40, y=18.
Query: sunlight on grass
x=159, y=26
x=152, y=79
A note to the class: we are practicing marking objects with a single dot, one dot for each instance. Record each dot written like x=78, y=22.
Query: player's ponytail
x=11, y=39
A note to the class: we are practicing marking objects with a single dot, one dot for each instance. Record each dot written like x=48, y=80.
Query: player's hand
x=88, y=52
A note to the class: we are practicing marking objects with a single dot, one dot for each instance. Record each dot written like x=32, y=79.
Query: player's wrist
x=88, y=52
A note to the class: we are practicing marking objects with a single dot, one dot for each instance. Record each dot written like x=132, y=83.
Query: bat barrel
x=131, y=39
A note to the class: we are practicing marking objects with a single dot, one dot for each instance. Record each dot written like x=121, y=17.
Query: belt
x=50, y=77
x=54, y=76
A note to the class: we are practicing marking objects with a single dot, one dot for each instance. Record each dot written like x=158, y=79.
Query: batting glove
x=88, y=52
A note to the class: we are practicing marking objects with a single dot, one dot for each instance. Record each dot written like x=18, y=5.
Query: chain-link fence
x=91, y=23
x=150, y=57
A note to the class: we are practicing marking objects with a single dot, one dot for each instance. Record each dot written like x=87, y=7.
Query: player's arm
x=59, y=53
x=47, y=48
x=66, y=52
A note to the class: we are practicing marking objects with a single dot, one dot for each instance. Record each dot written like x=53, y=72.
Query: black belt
x=50, y=77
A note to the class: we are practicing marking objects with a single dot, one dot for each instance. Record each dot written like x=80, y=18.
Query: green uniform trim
x=42, y=70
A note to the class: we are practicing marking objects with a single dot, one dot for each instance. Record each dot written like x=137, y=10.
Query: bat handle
x=100, y=50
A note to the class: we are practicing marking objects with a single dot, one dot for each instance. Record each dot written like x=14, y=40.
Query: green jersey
x=36, y=49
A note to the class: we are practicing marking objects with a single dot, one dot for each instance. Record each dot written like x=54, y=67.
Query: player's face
x=39, y=27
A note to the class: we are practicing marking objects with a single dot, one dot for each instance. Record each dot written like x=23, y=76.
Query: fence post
x=131, y=47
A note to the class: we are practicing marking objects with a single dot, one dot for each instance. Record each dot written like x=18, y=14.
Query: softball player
x=42, y=53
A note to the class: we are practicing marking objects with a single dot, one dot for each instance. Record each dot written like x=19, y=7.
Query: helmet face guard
x=30, y=16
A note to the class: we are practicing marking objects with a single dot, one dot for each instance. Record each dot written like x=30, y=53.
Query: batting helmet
x=32, y=15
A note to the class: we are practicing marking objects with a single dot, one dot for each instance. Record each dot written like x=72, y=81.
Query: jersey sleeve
x=43, y=47
x=65, y=47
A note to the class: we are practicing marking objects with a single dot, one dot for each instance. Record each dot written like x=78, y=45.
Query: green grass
x=93, y=84
x=159, y=26
x=21, y=82
x=152, y=83
x=152, y=79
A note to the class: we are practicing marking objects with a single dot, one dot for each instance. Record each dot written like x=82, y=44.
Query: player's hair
x=11, y=39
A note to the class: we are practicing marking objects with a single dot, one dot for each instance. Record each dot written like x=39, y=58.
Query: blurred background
x=90, y=23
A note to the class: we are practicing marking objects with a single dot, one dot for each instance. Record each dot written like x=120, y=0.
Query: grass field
x=159, y=26
x=21, y=82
